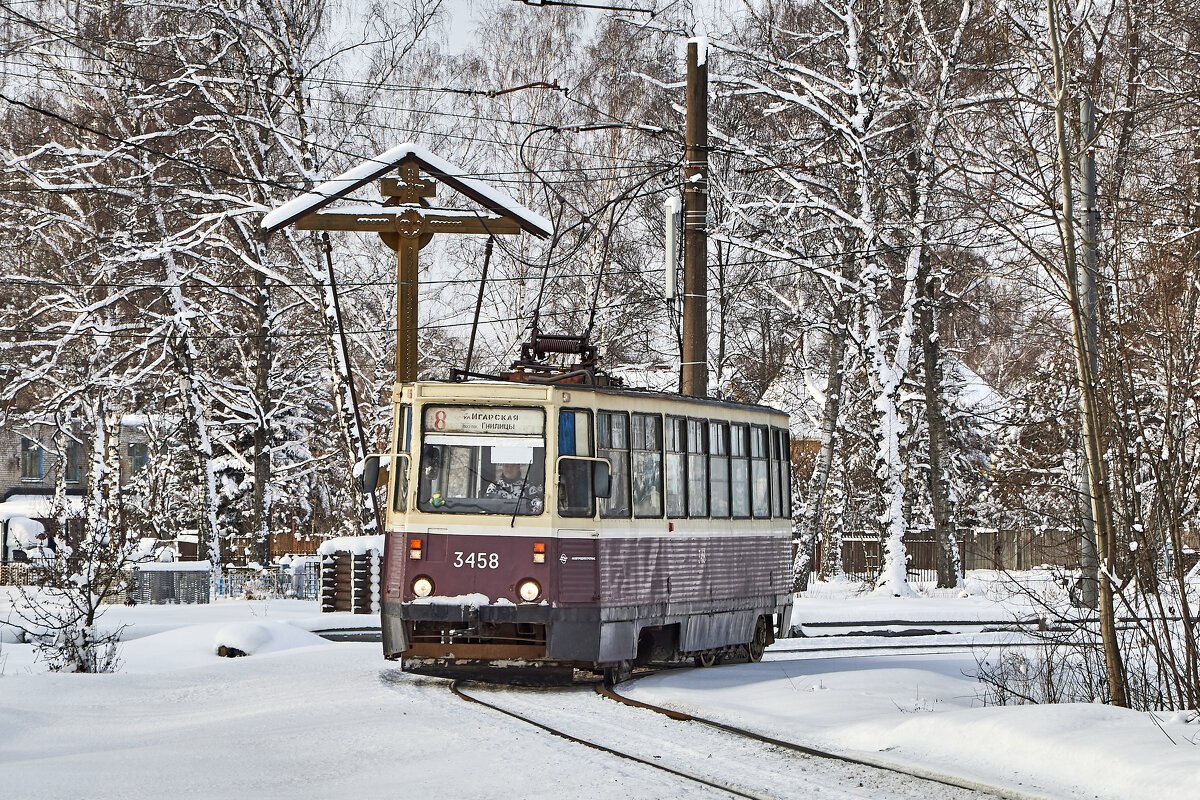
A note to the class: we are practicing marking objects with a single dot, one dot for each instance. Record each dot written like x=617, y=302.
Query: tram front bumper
x=528, y=631
x=469, y=614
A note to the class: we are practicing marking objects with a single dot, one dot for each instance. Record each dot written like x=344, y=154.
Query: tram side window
x=647, y=465
x=780, y=488
x=697, y=469
x=718, y=467
x=574, y=432
x=676, y=470
x=404, y=428
x=739, y=475
x=575, y=475
x=612, y=443
x=575, y=497
x=400, y=484
x=759, y=472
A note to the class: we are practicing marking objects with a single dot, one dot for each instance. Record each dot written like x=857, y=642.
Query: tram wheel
x=758, y=645
x=619, y=673
x=706, y=659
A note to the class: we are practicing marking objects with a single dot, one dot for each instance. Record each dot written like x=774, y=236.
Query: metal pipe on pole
x=694, y=366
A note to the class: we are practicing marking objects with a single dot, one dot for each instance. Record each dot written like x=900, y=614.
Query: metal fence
x=302, y=584
x=188, y=582
x=862, y=557
x=169, y=586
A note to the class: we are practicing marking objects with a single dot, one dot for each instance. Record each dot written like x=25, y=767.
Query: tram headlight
x=422, y=587
x=529, y=590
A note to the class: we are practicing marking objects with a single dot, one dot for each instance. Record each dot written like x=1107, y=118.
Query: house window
x=31, y=460
x=72, y=466
x=139, y=455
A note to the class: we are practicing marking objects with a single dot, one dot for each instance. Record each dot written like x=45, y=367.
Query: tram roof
x=527, y=390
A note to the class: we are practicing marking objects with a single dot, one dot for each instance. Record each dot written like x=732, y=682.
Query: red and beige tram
x=574, y=526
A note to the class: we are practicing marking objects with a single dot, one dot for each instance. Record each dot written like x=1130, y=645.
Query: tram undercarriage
x=514, y=643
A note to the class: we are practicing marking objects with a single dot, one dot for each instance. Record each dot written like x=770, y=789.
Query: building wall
x=11, y=481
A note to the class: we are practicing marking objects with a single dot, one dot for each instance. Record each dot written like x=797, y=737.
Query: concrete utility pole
x=1089, y=596
x=694, y=367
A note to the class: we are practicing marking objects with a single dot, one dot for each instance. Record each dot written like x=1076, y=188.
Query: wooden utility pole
x=405, y=221
x=694, y=367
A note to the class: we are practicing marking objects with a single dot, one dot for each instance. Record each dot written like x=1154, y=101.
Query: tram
x=560, y=526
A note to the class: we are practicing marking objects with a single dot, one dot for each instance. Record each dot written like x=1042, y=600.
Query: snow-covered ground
x=305, y=717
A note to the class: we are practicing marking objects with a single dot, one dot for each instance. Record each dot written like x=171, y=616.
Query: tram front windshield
x=473, y=474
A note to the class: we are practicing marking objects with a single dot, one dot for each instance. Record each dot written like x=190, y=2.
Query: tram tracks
x=785, y=653
x=914, y=773
x=457, y=689
x=749, y=764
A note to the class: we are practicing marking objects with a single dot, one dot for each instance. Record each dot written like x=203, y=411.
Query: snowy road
x=336, y=720
x=304, y=717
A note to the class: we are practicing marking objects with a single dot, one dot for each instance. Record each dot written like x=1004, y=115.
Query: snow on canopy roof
x=358, y=545
x=376, y=167
x=37, y=506
x=24, y=534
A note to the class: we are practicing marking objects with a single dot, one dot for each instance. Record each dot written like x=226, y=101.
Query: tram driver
x=512, y=483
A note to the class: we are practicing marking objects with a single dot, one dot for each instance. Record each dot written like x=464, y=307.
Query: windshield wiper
x=512, y=523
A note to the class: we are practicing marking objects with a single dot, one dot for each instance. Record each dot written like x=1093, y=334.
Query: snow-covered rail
x=710, y=758
x=916, y=776
x=457, y=688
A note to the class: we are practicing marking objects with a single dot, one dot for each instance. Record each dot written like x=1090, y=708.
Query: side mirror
x=369, y=480
x=601, y=480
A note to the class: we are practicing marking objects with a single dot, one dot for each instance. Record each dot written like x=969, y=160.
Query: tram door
x=578, y=554
x=578, y=566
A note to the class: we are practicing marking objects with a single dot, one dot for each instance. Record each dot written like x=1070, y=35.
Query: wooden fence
x=862, y=557
x=16, y=575
x=291, y=543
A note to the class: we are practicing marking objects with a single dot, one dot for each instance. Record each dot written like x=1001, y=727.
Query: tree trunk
x=946, y=546
x=810, y=521
x=262, y=430
x=1085, y=362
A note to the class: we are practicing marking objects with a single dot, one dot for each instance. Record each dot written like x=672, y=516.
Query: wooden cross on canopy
x=406, y=222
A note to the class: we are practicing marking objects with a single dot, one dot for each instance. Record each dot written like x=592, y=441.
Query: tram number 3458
x=477, y=560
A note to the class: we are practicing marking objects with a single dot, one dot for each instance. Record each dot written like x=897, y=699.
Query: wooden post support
x=406, y=223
